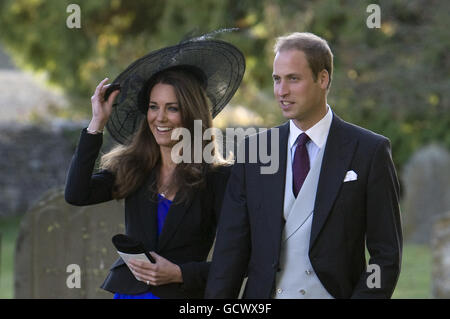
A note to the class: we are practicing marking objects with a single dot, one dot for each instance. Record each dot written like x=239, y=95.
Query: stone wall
x=33, y=160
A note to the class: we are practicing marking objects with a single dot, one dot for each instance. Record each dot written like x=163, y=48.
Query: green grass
x=415, y=276
x=9, y=228
x=414, y=281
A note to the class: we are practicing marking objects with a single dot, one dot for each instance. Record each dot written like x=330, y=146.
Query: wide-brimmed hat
x=220, y=63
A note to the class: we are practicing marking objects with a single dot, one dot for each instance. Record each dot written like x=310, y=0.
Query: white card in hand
x=127, y=257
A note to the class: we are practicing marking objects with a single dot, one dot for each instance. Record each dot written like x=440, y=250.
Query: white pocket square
x=350, y=176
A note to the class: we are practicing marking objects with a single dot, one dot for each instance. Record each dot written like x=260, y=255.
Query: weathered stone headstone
x=426, y=181
x=440, y=244
x=54, y=235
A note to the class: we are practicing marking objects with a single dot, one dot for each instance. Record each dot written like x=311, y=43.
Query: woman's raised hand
x=101, y=109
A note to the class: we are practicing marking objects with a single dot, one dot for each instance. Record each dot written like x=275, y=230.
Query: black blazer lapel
x=273, y=190
x=176, y=213
x=339, y=151
x=148, y=217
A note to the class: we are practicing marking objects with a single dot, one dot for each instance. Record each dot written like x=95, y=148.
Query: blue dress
x=163, y=209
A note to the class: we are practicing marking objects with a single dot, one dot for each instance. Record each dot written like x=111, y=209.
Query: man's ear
x=324, y=79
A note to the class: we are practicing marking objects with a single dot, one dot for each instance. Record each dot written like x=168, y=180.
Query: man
x=302, y=232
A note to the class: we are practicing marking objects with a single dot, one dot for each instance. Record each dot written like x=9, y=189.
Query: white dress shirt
x=318, y=135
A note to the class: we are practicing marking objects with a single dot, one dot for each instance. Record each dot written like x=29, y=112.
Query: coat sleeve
x=82, y=186
x=233, y=242
x=195, y=274
x=383, y=228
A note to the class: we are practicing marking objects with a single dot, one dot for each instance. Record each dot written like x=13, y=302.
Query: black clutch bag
x=130, y=246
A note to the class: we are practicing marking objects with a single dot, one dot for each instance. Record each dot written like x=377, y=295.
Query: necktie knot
x=300, y=167
x=302, y=139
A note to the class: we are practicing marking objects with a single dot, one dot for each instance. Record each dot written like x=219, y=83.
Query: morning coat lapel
x=339, y=151
x=272, y=201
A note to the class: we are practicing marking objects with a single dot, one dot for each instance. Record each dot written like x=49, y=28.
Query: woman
x=171, y=208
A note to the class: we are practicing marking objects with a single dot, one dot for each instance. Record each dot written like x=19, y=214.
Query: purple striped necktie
x=300, y=166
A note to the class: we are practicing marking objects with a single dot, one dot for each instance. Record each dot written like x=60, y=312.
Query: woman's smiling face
x=163, y=114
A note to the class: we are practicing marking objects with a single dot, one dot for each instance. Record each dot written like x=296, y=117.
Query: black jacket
x=187, y=235
x=346, y=217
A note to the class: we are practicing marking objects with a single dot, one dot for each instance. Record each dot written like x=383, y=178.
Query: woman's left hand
x=159, y=273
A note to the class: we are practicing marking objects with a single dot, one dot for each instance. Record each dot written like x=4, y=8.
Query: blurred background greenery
x=393, y=80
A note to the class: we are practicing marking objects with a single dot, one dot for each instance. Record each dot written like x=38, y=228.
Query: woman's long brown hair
x=133, y=163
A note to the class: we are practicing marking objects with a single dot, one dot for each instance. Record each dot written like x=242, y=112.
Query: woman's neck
x=166, y=159
x=167, y=168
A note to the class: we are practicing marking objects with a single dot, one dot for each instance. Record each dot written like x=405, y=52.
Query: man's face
x=300, y=97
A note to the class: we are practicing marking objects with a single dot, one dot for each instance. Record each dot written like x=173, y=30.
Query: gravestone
x=54, y=235
x=440, y=244
x=426, y=180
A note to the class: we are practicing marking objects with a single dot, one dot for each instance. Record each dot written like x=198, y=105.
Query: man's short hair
x=316, y=49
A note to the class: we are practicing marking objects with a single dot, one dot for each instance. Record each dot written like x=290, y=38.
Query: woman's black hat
x=219, y=65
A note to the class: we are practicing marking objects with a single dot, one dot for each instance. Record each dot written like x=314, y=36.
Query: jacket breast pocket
x=351, y=189
x=351, y=200
x=350, y=205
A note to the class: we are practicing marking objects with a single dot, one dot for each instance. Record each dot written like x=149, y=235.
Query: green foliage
x=393, y=80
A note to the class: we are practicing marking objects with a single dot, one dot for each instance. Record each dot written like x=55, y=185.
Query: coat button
x=308, y=272
x=302, y=291
x=279, y=290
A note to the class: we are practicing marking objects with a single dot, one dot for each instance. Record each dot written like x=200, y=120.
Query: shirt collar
x=318, y=133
